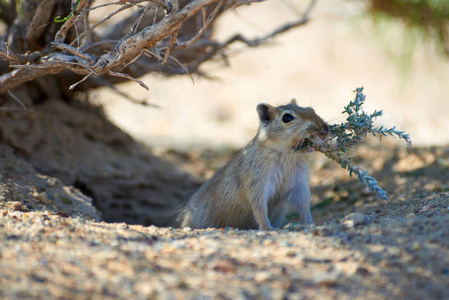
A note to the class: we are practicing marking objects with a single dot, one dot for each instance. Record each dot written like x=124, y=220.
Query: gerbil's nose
x=326, y=129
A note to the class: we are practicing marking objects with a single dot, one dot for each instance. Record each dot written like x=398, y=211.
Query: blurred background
x=397, y=53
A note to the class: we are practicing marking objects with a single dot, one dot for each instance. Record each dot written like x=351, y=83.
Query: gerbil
x=253, y=190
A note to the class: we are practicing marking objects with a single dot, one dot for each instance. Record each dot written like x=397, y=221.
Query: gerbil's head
x=291, y=126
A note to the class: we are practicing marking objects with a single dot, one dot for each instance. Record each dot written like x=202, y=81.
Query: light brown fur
x=253, y=190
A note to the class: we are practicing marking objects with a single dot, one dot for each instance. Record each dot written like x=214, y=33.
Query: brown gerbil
x=254, y=189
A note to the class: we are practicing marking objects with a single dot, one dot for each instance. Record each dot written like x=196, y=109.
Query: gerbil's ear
x=294, y=102
x=266, y=112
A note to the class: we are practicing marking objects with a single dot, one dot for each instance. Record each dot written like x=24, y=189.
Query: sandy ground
x=360, y=247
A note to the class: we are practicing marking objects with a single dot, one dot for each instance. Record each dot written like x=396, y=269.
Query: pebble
x=357, y=218
x=326, y=279
x=262, y=277
x=410, y=216
x=362, y=271
x=186, y=229
x=354, y=219
x=223, y=265
x=321, y=231
x=16, y=206
x=267, y=242
x=295, y=227
x=416, y=246
x=285, y=244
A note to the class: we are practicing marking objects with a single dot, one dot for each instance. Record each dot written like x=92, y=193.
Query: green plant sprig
x=58, y=18
x=349, y=134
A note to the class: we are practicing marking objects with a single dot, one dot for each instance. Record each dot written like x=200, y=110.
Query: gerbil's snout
x=326, y=129
x=317, y=135
x=325, y=132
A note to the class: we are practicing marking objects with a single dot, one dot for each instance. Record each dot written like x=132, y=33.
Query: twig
x=201, y=31
x=88, y=30
x=82, y=80
x=154, y=53
x=103, y=81
x=170, y=70
x=142, y=84
x=17, y=99
x=74, y=51
x=184, y=67
x=131, y=46
x=88, y=38
x=175, y=7
x=49, y=65
x=137, y=22
x=168, y=7
x=155, y=15
x=62, y=32
x=302, y=21
x=132, y=61
x=12, y=56
x=255, y=42
x=170, y=46
x=88, y=46
x=15, y=78
x=106, y=4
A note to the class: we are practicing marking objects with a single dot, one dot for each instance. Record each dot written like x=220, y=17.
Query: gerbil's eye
x=287, y=118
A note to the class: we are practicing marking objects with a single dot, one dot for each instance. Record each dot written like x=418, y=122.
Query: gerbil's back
x=220, y=202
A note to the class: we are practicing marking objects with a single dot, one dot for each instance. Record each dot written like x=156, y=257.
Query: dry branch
x=82, y=49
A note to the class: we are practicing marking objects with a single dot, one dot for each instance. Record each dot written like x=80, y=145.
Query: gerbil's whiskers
x=301, y=142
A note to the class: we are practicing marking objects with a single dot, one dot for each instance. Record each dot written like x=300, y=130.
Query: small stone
x=51, y=181
x=295, y=227
x=146, y=289
x=39, y=188
x=348, y=223
x=44, y=198
x=362, y=271
x=384, y=262
x=314, y=231
x=267, y=242
x=262, y=277
x=285, y=244
x=223, y=265
x=326, y=232
x=288, y=226
x=416, y=246
x=410, y=216
x=186, y=229
x=63, y=214
x=326, y=279
x=410, y=222
x=321, y=231
x=357, y=218
x=16, y=206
